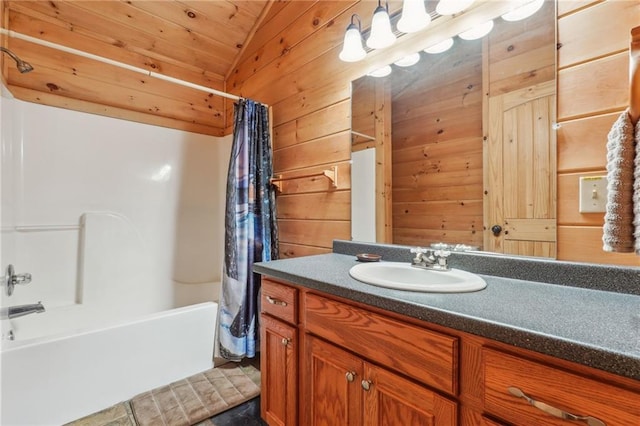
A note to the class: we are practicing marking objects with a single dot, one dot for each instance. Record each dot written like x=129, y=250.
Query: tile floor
x=247, y=414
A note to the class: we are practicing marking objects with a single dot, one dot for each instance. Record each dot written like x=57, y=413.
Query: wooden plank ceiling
x=192, y=40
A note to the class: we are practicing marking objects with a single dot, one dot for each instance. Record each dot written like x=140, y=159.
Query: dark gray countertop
x=597, y=328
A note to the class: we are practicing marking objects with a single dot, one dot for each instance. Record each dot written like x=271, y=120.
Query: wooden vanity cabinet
x=357, y=365
x=279, y=353
x=344, y=389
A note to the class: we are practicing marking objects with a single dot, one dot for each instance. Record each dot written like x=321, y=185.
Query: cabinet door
x=334, y=395
x=279, y=368
x=391, y=400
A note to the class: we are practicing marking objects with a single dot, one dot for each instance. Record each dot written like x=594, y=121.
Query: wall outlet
x=593, y=194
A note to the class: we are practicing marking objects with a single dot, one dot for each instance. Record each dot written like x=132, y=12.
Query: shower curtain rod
x=60, y=47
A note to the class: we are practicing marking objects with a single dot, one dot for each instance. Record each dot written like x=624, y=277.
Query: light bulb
x=408, y=60
x=523, y=11
x=381, y=72
x=414, y=16
x=381, y=35
x=451, y=7
x=477, y=32
x=352, y=50
x=443, y=46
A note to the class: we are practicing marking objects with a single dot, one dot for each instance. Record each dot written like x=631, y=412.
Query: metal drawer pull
x=366, y=384
x=591, y=421
x=276, y=301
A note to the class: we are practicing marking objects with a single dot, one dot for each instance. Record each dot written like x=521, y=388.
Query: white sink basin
x=403, y=276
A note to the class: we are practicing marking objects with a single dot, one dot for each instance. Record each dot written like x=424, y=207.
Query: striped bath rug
x=196, y=398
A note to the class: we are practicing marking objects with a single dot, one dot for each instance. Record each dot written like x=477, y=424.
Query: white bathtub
x=64, y=376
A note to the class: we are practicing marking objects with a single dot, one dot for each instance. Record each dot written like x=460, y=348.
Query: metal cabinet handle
x=276, y=301
x=350, y=376
x=556, y=412
x=285, y=341
x=366, y=384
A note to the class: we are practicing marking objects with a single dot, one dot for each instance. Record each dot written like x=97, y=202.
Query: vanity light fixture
x=408, y=60
x=414, y=16
x=381, y=72
x=477, y=32
x=443, y=46
x=352, y=49
x=381, y=35
x=523, y=11
x=451, y=7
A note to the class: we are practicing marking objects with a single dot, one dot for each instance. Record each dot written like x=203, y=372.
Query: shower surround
x=115, y=220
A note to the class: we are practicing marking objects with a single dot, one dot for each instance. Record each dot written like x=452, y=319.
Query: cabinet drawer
x=425, y=355
x=280, y=301
x=556, y=388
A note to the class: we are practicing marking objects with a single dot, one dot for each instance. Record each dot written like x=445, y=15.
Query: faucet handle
x=442, y=253
x=418, y=251
x=441, y=256
x=12, y=279
x=22, y=278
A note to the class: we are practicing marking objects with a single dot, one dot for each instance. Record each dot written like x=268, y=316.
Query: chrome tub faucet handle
x=12, y=279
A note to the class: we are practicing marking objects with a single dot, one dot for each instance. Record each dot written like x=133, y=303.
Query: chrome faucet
x=430, y=259
x=21, y=310
x=12, y=279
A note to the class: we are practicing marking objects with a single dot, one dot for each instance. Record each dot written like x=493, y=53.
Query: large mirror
x=430, y=138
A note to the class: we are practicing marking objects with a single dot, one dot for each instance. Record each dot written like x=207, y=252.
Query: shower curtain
x=250, y=230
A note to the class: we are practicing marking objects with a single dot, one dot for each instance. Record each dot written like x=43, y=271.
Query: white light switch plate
x=593, y=194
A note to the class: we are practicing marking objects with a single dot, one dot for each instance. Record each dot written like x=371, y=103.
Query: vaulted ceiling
x=199, y=41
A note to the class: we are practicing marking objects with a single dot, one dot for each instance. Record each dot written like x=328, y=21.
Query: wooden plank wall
x=292, y=64
x=522, y=53
x=437, y=126
x=437, y=148
x=126, y=33
x=593, y=89
x=363, y=113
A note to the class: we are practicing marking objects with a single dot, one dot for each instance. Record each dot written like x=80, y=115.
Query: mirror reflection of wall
x=371, y=209
x=439, y=123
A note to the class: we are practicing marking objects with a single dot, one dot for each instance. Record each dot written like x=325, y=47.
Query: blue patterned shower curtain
x=250, y=230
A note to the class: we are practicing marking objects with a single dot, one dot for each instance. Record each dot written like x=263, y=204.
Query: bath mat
x=196, y=398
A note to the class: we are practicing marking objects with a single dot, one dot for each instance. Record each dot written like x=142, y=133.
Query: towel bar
x=331, y=174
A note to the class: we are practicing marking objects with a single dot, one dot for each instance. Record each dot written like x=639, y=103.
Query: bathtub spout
x=21, y=310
